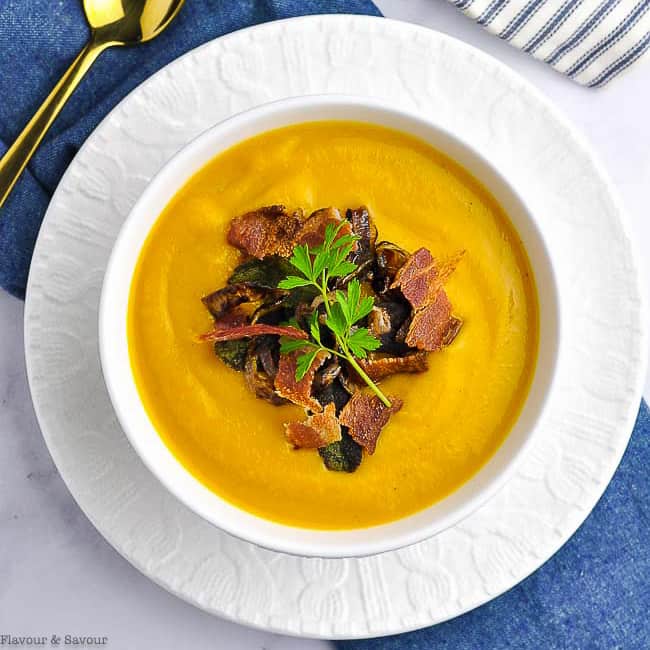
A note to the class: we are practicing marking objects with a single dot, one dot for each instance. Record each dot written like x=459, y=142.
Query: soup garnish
x=318, y=311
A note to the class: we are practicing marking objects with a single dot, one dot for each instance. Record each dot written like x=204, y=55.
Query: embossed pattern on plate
x=590, y=415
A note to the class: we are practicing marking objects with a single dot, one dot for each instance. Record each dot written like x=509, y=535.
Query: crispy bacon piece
x=232, y=295
x=312, y=231
x=382, y=367
x=270, y=230
x=453, y=328
x=298, y=392
x=421, y=280
x=422, y=276
x=221, y=333
x=433, y=326
x=365, y=416
x=318, y=430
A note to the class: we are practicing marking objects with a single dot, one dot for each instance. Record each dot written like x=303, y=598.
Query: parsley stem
x=323, y=290
x=371, y=384
x=346, y=352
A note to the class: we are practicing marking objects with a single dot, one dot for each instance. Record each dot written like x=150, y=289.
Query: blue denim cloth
x=593, y=593
x=39, y=39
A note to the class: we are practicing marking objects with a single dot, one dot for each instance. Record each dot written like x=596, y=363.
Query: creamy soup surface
x=455, y=415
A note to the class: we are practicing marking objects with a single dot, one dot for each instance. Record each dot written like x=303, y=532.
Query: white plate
x=588, y=421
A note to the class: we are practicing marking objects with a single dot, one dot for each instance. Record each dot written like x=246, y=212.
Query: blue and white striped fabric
x=591, y=41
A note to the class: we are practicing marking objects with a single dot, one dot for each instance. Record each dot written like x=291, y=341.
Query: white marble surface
x=58, y=576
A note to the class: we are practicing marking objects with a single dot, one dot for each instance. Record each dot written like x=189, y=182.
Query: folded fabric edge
x=588, y=42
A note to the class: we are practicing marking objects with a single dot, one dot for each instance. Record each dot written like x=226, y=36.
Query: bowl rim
x=290, y=541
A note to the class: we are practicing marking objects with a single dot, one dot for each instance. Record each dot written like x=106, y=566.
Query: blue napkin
x=593, y=593
x=39, y=39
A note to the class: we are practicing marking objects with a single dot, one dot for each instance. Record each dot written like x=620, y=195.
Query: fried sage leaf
x=343, y=455
x=232, y=353
x=264, y=274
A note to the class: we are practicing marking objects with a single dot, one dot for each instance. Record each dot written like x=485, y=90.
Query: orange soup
x=455, y=415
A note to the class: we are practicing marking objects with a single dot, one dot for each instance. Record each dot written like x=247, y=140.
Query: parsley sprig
x=343, y=309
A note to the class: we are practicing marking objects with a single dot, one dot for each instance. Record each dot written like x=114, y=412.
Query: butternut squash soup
x=459, y=389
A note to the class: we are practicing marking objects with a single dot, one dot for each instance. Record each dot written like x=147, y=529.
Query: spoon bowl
x=129, y=22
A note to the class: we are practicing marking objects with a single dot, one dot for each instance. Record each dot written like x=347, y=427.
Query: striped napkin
x=591, y=41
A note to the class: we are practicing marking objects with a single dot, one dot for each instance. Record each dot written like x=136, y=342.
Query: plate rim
x=604, y=179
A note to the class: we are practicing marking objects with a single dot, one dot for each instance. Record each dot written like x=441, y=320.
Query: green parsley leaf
x=314, y=327
x=339, y=265
x=331, y=230
x=303, y=363
x=320, y=262
x=342, y=301
x=363, y=308
x=289, y=345
x=345, y=240
x=361, y=341
x=336, y=321
x=354, y=295
x=293, y=282
x=302, y=261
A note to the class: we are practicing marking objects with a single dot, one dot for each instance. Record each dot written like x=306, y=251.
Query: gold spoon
x=112, y=22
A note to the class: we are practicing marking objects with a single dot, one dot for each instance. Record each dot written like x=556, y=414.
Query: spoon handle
x=20, y=152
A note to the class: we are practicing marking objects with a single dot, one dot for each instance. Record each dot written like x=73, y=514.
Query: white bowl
x=141, y=432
